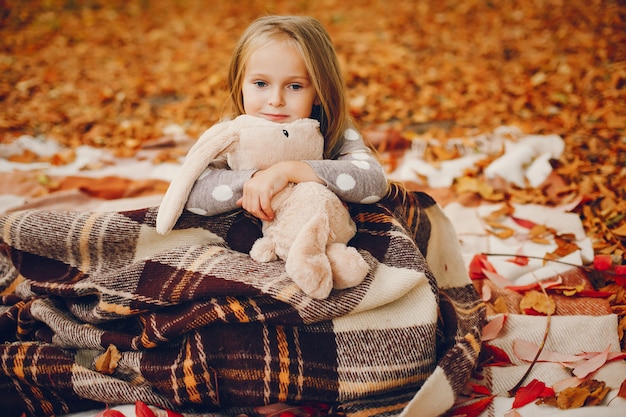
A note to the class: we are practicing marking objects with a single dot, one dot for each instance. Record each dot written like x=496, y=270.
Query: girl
x=285, y=68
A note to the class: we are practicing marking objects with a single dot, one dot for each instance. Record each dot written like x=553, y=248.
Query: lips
x=275, y=117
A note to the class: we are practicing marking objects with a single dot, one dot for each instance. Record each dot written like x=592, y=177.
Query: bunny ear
x=199, y=156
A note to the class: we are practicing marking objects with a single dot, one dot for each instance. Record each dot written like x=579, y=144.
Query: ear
x=201, y=154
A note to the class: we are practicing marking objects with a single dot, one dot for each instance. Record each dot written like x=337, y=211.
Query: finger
x=266, y=208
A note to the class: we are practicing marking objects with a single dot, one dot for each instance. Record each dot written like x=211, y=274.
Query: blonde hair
x=310, y=38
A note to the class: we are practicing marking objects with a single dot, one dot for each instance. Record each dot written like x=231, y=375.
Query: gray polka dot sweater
x=356, y=176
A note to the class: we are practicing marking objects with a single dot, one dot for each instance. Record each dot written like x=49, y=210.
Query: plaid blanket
x=98, y=308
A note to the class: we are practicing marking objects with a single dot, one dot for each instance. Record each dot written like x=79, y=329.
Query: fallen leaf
x=524, y=223
x=107, y=412
x=493, y=328
x=547, y=283
x=142, y=410
x=107, y=362
x=574, y=397
x=538, y=302
x=527, y=351
x=566, y=383
x=472, y=408
x=529, y=393
x=500, y=307
x=589, y=393
x=499, y=280
x=622, y=390
x=485, y=292
x=478, y=265
x=602, y=262
x=520, y=260
x=495, y=356
x=592, y=364
x=479, y=389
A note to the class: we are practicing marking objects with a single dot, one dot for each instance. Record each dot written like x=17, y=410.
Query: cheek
x=248, y=98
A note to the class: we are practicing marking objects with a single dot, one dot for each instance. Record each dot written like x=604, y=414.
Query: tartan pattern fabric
x=200, y=327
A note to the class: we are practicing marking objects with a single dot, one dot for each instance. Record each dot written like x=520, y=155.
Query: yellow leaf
x=107, y=362
x=537, y=301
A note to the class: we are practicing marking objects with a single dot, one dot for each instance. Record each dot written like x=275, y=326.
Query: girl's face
x=276, y=84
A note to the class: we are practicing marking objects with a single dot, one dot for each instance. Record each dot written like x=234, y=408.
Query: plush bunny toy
x=311, y=225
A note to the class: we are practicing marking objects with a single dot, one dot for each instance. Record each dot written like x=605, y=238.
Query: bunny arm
x=208, y=147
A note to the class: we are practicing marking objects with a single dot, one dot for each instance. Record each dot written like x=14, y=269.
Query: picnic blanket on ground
x=98, y=308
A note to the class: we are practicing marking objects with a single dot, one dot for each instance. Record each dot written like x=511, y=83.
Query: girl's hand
x=264, y=184
x=259, y=190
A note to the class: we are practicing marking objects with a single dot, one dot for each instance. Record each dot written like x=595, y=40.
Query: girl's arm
x=217, y=190
x=356, y=176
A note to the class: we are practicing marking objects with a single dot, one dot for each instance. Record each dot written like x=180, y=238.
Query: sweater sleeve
x=217, y=190
x=356, y=176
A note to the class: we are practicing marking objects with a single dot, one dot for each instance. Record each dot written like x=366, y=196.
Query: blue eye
x=286, y=133
x=260, y=83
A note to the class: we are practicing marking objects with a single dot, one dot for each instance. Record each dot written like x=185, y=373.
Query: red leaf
x=480, y=389
x=620, y=269
x=499, y=356
x=142, y=410
x=107, y=412
x=478, y=264
x=473, y=409
x=547, y=392
x=529, y=393
x=524, y=223
x=594, y=294
x=519, y=260
x=532, y=312
x=602, y=262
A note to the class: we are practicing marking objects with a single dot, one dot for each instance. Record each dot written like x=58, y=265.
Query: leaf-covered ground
x=116, y=73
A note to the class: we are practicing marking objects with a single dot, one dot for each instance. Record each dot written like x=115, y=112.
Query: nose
x=276, y=98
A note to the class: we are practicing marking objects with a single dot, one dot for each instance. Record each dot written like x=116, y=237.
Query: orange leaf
x=622, y=390
x=107, y=362
x=538, y=302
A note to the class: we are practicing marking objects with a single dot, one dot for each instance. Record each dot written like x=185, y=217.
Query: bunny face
x=266, y=143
